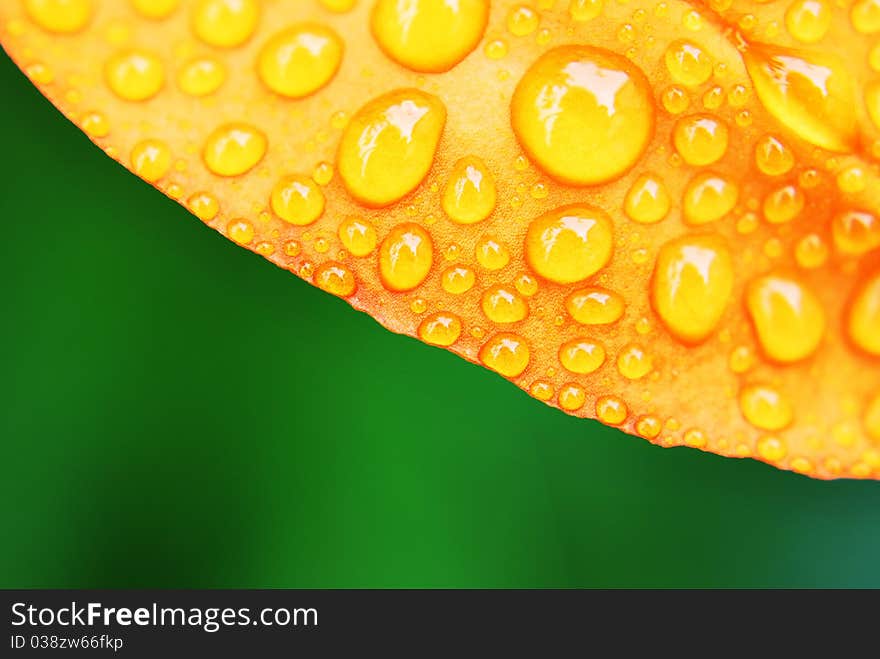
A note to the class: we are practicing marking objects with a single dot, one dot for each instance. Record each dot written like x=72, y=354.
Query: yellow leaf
x=659, y=214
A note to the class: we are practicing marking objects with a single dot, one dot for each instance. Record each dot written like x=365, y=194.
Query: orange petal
x=662, y=215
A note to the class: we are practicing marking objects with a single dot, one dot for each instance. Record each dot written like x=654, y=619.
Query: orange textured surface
x=663, y=215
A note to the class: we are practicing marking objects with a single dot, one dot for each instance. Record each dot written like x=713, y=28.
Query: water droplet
x=405, y=257
x=418, y=305
x=713, y=98
x=300, y=60
x=335, y=278
x=495, y=49
x=788, y=318
x=801, y=465
x=844, y=433
x=691, y=286
x=452, y=252
x=151, y=160
x=809, y=178
x=539, y=191
x=611, y=410
x=633, y=362
x=297, y=200
x=95, y=124
x=457, y=280
x=292, y=248
x=40, y=73
x=811, y=251
x=700, y=139
x=687, y=63
x=503, y=304
x=852, y=180
x=773, y=248
x=134, y=75
x=542, y=390
x=783, y=204
x=595, y=306
x=572, y=397
x=225, y=23
x=855, y=232
x=764, y=407
x=470, y=194
x=339, y=120
x=648, y=427
x=747, y=22
x=709, y=197
x=265, y=248
x=695, y=438
x=357, y=235
x=526, y=284
x=808, y=20
x=323, y=173
x=675, y=100
x=491, y=253
x=174, y=191
x=61, y=16
x=692, y=21
x=832, y=466
x=742, y=358
x=388, y=146
x=640, y=256
x=584, y=114
x=772, y=157
x=430, y=36
x=569, y=244
x=204, y=206
x=201, y=76
x=865, y=16
x=440, y=329
x=522, y=20
x=581, y=356
x=771, y=449
x=241, y=231
x=747, y=223
x=233, y=149
x=738, y=96
x=506, y=353
x=582, y=11
x=626, y=33
x=648, y=200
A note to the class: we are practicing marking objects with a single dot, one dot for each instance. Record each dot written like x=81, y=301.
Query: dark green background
x=177, y=411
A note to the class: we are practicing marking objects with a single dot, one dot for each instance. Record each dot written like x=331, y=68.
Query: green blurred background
x=178, y=412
